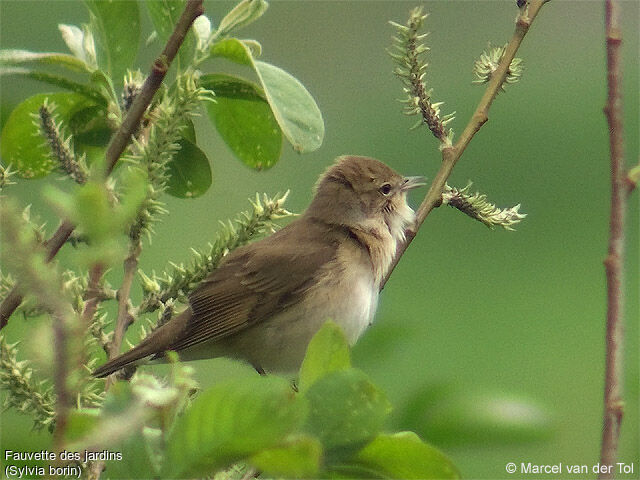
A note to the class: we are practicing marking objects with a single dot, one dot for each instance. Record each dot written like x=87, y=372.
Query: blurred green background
x=488, y=343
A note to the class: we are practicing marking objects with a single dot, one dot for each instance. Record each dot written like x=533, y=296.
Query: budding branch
x=451, y=155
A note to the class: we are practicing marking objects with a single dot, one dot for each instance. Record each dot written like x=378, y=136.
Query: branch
x=93, y=294
x=125, y=318
x=159, y=69
x=122, y=137
x=451, y=154
x=613, y=404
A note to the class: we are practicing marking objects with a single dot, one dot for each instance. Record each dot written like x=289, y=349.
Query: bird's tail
x=156, y=343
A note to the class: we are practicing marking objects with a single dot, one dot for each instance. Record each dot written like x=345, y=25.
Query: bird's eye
x=385, y=189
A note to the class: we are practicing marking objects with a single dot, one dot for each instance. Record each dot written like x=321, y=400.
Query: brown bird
x=267, y=299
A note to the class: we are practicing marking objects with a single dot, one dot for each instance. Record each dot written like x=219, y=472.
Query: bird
x=267, y=299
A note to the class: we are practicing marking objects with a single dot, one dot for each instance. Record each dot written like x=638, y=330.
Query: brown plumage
x=267, y=299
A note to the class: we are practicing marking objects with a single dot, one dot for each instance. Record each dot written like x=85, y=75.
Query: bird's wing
x=258, y=281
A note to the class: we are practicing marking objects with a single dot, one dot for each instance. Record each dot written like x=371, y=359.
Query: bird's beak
x=413, y=182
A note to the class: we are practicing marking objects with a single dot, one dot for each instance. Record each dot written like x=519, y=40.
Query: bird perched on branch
x=267, y=299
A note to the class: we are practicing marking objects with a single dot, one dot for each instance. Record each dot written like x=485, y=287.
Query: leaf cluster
x=251, y=118
x=329, y=426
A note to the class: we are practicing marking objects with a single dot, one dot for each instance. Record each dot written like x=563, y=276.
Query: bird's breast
x=344, y=293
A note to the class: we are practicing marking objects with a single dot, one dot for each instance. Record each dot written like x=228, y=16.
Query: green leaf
x=244, y=120
x=232, y=49
x=346, y=409
x=164, y=15
x=13, y=57
x=243, y=14
x=294, y=108
x=116, y=29
x=232, y=421
x=57, y=80
x=299, y=457
x=327, y=352
x=189, y=170
x=22, y=145
x=403, y=455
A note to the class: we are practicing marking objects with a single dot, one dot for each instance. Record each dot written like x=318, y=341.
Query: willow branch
x=122, y=137
x=60, y=378
x=159, y=69
x=451, y=155
x=613, y=404
x=124, y=314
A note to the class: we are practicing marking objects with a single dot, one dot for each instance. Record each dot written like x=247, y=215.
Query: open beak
x=413, y=182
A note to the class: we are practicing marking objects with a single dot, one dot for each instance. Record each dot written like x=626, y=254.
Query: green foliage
x=230, y=422
x=333, y=429
x=327, y=352
x=91, y=208
x=299, y=456
x=294, y=109
x=25, y=393
x=252, y=120
x=115, y=25
x=189, y=171
x=334, y=423
x=403, y=455
x=347, y=410
x=244, y=120
x=23, y=58
x=153, y=156
x=22, y=145
x=246, y=12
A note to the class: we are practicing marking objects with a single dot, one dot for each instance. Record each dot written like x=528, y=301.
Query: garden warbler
x=267, y=299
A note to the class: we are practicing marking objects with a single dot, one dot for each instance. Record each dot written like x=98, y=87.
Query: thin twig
x=451, y=155
x=93, y=294
x=613, y=404
x=122, y=137
x=60, y=378
x=124, y=314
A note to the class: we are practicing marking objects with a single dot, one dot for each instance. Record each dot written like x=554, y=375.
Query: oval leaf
x=244, y=120
x=22, y=145
x=232, y=421
x=189, y=170
x=327, y=352
x=404, y=455
x=346, y=409
x=295, y=109
x=116, y=29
